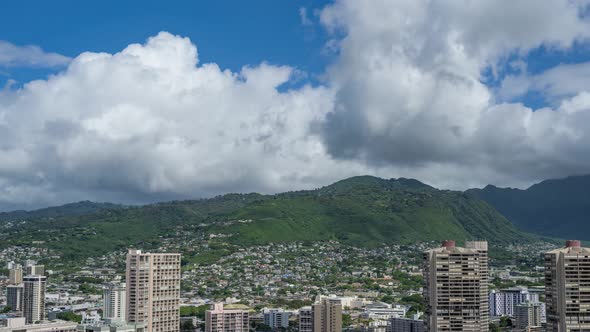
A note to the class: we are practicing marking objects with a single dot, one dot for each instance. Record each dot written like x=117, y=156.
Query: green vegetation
x=346, y=320
x=69, y=316
x=89, y=289
x=367, y=211
x=415, y=301
x=553, y=208
x=190, y=311
x=361, y=211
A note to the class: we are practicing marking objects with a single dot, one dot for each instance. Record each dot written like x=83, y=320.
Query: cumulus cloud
x=409, y=91
x=150, y=123
x=29, y=56
x=404, y=97
x=555, y=84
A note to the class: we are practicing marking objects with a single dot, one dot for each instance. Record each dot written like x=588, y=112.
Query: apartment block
x=527, y=316
x=305, y=319
x=34, y=298
x=456, y=287
x=503, y=302
x=15, y=275
x=276, y=318
x=114, y=301
x=399, y=324
x=15, y=297
x=567, y=288
x=327, y=315
x=220, y=319
x=153, y=290
x=35, y=270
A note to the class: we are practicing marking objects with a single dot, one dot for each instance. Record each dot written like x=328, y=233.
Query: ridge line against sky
x=456, y=95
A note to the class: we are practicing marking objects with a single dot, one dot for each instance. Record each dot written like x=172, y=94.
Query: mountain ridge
x=554, y=207
x=360, y=211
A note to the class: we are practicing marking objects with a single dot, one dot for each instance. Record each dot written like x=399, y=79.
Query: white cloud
x=29, y=56
x=403, y=98
x=555, y=84
x=305, y=20
x=151, y=123
x=409, y=91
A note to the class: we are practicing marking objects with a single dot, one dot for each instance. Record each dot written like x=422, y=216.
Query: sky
x=142, y=101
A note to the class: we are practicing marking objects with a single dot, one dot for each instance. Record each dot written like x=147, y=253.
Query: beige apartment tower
x=15, y=275
x=34, y=298
x=456, y=287
x=153, y=290
x=528, y=316
x=567, y=288
x=220, y=319
x=327, y=315
x=114, y=301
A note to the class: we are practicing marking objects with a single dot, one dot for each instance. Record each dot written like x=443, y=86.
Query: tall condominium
x=276, y=318
x=114, y=301
x=399, y=324
x=327, y=315
x=35, y=270
x=567, y=288
x=528, y=316
x=34, y=298
x=15, y=296
x=220, y=319
x=305, y=319
x=504, y=301
x=456, y=287
x=153, y=290
x=15, y=275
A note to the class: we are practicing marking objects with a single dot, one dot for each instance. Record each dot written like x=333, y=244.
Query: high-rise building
x=15, y=275
x=153, y=290
x=327, y=315
x=276, y=318
x=35, y=270
x=400, y=324
x=567, y=288
x=114, y=301
x=220, y=319
x=503, y=302
x=456, y=287
x=14, y=297
x=34, y=298
x=527, y=315
x=305, y=319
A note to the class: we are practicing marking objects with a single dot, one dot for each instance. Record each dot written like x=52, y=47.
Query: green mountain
x=70, y=209
x=361, y=211
x=368, y=211
x=556, y=208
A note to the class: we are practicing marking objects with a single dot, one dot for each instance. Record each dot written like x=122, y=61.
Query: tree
x=6, y=309
x=494, y=328
x=346, y=320
x=187, y=325
x=69, y=316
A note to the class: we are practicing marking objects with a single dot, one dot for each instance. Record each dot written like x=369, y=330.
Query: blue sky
x=232, y=33
x=455, y=93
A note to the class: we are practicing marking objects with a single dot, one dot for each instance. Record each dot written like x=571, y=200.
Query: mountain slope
x=71, y=209
x=556, y=208
x=361, y=211
x=369, y=211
